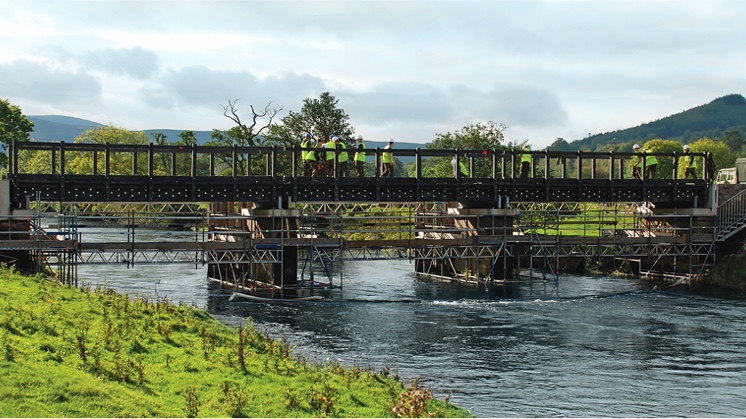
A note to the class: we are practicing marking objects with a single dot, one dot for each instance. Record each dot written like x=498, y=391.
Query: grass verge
x=83, y=352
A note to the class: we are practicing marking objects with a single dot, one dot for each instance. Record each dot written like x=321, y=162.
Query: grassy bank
x=82, y=352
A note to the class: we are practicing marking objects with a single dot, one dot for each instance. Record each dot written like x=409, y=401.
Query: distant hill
x=59, y=128
x=710, y=120
x=66, y=128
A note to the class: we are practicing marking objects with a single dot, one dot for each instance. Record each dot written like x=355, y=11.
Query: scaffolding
x=305, y=246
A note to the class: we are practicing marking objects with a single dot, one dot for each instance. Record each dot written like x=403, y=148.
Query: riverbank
x=85, y=352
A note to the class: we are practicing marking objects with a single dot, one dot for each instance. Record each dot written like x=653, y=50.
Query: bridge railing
x=60, y=158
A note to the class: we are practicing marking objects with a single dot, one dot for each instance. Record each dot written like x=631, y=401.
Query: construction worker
x=360, y=156
x=330, y=155
x=651, y=166
x=388, y=160
x=690, y=163
x=460, y=167
x=317, y=156
x=525, y=161
x=342, y=157
x=636, y=162
x=305, y=151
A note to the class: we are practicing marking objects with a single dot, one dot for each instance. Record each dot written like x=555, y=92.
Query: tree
x=320, y=117
x=78, y=162
x=475, y=137
x=733, y=139
x=245, y=134
x=14, y=126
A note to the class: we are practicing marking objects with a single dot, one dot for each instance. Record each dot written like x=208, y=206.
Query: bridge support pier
x=277, y=245
x=481, y=249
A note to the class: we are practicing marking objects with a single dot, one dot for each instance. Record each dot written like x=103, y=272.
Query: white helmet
x=636, y=146
x=686, y=147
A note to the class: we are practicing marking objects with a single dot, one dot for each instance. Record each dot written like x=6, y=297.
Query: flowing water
x=581, y=346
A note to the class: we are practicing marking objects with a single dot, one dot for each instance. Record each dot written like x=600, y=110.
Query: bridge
x=478, y=228
x=271, y=175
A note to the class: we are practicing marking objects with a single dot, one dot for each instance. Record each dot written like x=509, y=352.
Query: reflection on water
x=585, y=346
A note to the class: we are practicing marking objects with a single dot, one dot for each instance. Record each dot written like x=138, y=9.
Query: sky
x=407, y=70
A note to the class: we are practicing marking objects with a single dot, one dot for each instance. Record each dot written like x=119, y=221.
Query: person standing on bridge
x=388, y=160
x=525, y=161
x=342, y=157
x=318, y=157
x=651, y=165
x=636, y=162
x=460, y=167
x=690, y=163
x=331, y=155
x=305, y=153
x=360, y=156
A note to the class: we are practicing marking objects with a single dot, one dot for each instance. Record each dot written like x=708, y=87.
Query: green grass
x=82, y=352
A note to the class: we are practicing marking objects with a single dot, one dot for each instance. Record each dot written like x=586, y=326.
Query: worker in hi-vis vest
x=360, y=156
x=305, y=151
x=525, y=161
x=330, y=155
x=690, y=163
x=460, y=167
x=317, y=158
x=388, y=160
x=342, y=157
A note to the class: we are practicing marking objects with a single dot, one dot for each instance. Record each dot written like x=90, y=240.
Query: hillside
x=59, y=128
x=709, y=120
x=65, y=128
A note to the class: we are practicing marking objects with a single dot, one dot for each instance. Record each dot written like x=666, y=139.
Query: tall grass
x=90, y=352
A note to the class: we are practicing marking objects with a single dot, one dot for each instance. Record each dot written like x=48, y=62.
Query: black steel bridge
x=78, y=172
x=478, y=228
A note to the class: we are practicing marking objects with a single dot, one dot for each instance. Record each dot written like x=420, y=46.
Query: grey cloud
x=412, y=102
x=525, y=107
x=201, y=86
x=136, y=62
x=455, y=105
x=29, y=80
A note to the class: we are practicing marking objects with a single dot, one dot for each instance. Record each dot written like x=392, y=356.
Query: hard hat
x=308, y=135
x=331, y=136
x=636, y=146
x=391, y=140
x=336, y=139
x=359, y=137
x=686, y=146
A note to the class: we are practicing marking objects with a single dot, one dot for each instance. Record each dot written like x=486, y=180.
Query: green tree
x=79, y=162
x=120, y=163
x=733, y=139
x=474, y=137
x=14, y=126
x=321, y=117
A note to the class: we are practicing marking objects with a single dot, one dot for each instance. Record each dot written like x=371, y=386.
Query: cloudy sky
x=400, y=69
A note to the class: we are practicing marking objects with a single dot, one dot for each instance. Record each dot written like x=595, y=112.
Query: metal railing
x=731, y=216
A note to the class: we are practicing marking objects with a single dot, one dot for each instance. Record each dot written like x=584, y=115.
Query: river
x=580, y=347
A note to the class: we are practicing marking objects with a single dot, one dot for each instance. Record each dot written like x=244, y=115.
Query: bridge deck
x=271, y=175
